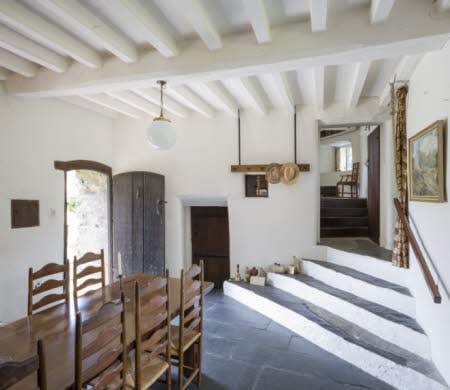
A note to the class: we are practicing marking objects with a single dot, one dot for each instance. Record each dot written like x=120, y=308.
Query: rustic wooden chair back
x=47, y=286
x=355, y=172
x=12, y=373
x=100, y=348
x=91, y=275
x=191, y=319
x=152, y=329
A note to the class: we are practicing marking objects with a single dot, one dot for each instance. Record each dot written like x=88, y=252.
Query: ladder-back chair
x=189, y=333
x=12, y=373
x=86, y=271
x=40, y=283
x=351, y=180
x=100, y=348
x=152, y=329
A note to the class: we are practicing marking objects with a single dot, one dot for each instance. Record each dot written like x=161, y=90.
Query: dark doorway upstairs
x=343, y=217
x=210, y=242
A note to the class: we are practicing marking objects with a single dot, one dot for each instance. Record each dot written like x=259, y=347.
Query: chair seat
x=189, y=338
x=151, y=372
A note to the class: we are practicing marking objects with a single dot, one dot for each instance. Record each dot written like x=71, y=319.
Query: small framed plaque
x=24, y=213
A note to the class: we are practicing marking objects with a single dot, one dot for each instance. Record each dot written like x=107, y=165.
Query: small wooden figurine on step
x=247, y=275
x=237, y=277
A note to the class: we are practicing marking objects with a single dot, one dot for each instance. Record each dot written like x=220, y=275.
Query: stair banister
x=433, y=287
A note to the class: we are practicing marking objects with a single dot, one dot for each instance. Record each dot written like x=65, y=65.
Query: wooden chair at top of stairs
x=350, y=180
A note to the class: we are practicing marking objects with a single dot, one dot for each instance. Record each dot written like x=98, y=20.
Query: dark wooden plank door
x=123, y=221
x=154, y=226
x=210, y=242
x=373, y=193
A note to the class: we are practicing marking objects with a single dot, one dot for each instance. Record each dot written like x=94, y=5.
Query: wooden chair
x=47, y=286
x=100, y=348
x=351, y=181
x=12, y=373
x=88, y=270
x=152, y=329
x=187, y=337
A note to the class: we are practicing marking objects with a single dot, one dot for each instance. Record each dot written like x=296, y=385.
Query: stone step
x=366, y=286
x=343, y=221
x=366, y=263
x=343, y=211
x=343, y=202
x=391, y=325
x=344, y=231
x=348, y=341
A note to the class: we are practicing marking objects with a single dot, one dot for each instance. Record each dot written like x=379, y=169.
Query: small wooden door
x=210, y=242
x=373, y=192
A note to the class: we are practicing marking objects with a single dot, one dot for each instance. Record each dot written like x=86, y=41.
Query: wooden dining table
x=56, y=327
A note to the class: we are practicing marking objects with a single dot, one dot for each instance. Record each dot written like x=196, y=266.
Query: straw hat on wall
x=290, y=173
x=273, y=173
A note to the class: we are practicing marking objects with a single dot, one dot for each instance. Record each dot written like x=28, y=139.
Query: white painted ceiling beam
x=403, y=71
x=114, y=104
x=360, y=72
x=83, y=103
x=380, y=10
x=73, y=13
x=228, y=103
x=319, y=83
x=188, y=98
x=247, y=87
x=154, y=31
x=20, y=18
x=285, y=91
x=202, y=23
x=26, y=48
x=17, y=64
x=172, y=106
x=135, y=101
x=318, y=12
x=3, y=74
x=292, y=47
x=257, y=14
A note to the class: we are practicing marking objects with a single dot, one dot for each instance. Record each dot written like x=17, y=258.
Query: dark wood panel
x=138, y=223
x=123, y=220
x=373, y=193
x=24, y=213
x=154, y=226
x=210, y=242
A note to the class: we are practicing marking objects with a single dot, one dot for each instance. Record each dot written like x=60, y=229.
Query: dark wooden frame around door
x=373, y=184
x=74, y=165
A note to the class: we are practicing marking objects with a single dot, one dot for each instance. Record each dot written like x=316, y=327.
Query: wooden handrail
x=434, y=289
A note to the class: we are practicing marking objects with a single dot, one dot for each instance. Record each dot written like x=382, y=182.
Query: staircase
x=351, y=310
x=343, y=217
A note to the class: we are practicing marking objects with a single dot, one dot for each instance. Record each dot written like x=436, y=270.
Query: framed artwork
x=426, y=168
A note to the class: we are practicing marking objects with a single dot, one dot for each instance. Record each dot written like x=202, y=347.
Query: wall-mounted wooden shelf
x=262, y=168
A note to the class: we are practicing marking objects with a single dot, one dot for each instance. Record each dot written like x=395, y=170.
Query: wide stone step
x=389, y=324
x=350, y=342
x=343, y=221
x=366, y=286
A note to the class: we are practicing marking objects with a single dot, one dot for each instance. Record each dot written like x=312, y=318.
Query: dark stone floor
x=359, y=245
x=247, y=351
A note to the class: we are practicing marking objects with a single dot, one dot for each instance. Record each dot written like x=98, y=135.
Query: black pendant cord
x=295, y=134
x=239, y=136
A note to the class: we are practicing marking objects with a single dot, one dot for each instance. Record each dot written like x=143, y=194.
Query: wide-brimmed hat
x=273, y=173
x=289, y=173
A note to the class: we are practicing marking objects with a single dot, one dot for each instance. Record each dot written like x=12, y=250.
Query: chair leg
x=180, y=371
x=169, y=378
x=199, y=375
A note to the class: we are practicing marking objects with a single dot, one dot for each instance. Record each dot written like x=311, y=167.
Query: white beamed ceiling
x=217, y=55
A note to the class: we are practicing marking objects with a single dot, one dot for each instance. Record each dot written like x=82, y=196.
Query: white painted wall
x=197, y=170
x=428, y=101
x=32, y=135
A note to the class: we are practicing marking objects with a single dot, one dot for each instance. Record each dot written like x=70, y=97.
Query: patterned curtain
x=400, y=255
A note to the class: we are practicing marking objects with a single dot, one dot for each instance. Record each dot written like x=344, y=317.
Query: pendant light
x=161, y=133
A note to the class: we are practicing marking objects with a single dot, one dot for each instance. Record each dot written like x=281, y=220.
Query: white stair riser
x=369, y=265
x=384, y=369
x=397, y=334
x=403, y=303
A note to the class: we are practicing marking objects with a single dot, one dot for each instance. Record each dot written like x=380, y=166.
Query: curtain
x=400, y=255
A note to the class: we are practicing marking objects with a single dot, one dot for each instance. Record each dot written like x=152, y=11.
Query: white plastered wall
x=33, y=134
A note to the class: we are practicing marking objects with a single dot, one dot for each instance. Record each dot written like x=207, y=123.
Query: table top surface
x=56, y=327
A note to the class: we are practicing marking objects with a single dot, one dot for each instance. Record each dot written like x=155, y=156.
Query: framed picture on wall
x=426, y=168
